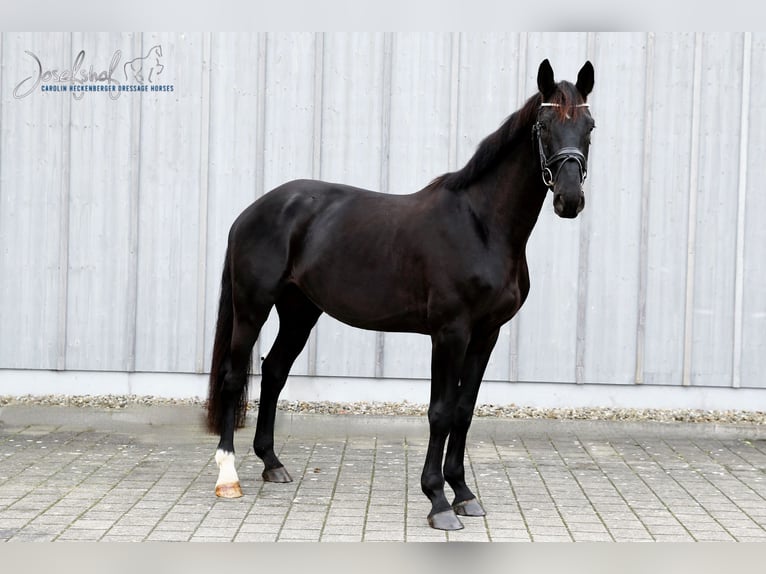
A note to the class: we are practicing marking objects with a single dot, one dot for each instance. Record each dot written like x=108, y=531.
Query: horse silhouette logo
x=144, y=69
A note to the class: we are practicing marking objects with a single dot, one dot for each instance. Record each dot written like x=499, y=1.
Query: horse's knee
x=233, y=383
x=440, y=417
x=233, y=380
x=462, y=418
x=274, y=373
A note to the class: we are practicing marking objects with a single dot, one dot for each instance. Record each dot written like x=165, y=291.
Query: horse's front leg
x=476, y=359
x=449, y=346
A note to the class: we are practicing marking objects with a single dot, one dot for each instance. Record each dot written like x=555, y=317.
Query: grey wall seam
x=64, y=217
x=583, y=257
x=385, y=166
x=131, y=322
x=260, y=161
x=521, y=94
x=454, y=108
x=260, y=138
x=692, y=220
x=316, y=169
x=646, y=172
x=204, y=190
x=739, y=280
x=2, y=85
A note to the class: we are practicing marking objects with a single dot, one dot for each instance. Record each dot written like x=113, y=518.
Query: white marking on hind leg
x=227, y=485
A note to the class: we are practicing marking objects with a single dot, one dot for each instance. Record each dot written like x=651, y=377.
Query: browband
x=552, y=105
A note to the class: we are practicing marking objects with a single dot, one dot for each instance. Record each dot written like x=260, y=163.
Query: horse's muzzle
x=568, y=207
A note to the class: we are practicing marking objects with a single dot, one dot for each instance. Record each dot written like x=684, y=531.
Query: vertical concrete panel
x=754, y=296
x=615, y=211
x=668, y=207
x=289, y=107
x=351, y=144
x=420, y=109
x=548, y=321
x=34, y=183
x=713, y=319
x=169, y=208
x=488, y=88
x=234, y=97
x=289, y=139
x=97, y=330
x=421, y=81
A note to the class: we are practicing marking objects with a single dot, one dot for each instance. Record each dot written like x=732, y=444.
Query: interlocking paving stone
x=114, y=479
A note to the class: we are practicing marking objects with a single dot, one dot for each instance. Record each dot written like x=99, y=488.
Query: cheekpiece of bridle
x=558, y=159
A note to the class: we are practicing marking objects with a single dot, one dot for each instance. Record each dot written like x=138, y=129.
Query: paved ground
x=147, y=473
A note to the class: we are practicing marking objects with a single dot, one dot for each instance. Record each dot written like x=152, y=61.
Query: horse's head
x=562, y=137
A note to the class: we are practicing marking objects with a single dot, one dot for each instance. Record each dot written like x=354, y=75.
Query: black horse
x=447, y=261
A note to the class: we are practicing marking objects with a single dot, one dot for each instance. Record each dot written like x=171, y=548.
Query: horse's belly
x=375, y=317
x=374, y=303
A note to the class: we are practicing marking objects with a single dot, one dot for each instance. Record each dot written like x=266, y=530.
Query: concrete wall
x=114, y=210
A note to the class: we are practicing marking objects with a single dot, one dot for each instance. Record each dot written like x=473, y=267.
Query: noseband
x=558, y=159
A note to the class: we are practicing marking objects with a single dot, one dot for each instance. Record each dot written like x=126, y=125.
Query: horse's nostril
x=567, y=209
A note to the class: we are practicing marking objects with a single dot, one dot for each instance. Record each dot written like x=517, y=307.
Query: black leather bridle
x=558, y=159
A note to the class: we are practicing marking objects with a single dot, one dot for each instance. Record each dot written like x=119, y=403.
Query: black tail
x=221, y=355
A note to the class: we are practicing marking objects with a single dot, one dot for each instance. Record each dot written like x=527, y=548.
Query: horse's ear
x=585, y=80
x=545, y=82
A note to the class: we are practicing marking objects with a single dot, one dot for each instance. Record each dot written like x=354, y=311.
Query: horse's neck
x=512, y=195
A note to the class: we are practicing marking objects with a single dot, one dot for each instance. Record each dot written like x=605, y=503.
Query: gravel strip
x=409, y=409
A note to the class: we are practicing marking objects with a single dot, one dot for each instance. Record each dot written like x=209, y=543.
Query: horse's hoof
x=446, y=520
x=469, y=507
x=279, y=474
x=228, y=490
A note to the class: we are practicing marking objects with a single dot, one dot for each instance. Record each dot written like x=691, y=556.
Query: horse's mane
x=498, y=144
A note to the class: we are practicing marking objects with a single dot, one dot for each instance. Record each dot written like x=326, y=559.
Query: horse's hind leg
x=477, y=357
x=244, y=334
x=297, y=316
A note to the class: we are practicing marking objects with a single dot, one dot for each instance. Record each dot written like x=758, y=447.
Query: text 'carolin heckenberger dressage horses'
x=447, y=261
